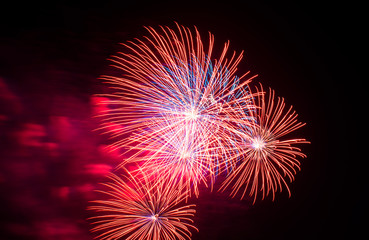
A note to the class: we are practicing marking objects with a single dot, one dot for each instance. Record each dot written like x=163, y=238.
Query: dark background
x=308, y=52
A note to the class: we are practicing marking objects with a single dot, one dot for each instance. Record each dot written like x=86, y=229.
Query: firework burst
x=169, y=78
x=182, y=158
x=183, y=118
x=172, y=98
x=264, y=155
x=136, y=209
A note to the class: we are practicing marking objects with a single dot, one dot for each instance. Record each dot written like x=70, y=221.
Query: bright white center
x=258, y=143
x=192, y=115
x=154, y=217
x=185, y=155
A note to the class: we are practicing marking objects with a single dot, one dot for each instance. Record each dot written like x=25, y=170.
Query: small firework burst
x=136, y=209
x=264, y=155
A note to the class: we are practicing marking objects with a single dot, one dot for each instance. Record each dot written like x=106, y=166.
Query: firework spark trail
x=138, y=210
x=266, y=157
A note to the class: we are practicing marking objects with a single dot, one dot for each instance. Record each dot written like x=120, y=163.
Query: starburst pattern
x=136, y=209
x=177, y=103
x=264, y=154
x=184, y=117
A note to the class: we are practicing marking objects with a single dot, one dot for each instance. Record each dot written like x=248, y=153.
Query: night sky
x=51, y=56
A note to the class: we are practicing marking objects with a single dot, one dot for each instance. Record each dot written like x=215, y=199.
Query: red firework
x=174, y=101
x=138, y=210
x=181, y=158
x=168, y=79
x=184, y=118
x=264, y=155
